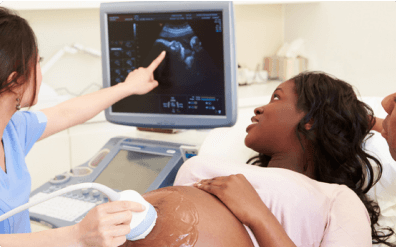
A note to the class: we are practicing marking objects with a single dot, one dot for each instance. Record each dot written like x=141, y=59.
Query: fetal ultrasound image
x=184, y=47
x=187, y=67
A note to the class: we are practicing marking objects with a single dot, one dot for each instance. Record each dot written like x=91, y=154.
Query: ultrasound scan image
x=187, y=65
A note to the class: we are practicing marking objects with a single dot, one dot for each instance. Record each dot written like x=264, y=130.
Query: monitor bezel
x=176, y=121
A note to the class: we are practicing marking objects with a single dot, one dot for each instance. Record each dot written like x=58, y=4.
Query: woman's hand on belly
x=241, y=198
x=238, y=195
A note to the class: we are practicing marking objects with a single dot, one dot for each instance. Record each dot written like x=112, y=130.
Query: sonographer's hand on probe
x=141, y=80
x=107, y=225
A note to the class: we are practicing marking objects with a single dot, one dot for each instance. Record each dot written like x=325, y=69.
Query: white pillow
x=384, y=192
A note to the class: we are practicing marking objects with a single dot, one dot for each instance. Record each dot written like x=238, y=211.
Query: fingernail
x=143, y=207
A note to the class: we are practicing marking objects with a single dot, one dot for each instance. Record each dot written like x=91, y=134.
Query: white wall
x=56, y=29
x=354, y=41
x=259, y=32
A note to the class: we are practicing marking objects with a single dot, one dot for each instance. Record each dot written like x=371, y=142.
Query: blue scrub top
x=23, y=130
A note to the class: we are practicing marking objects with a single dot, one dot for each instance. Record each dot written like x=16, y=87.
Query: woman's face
x=273, y=126
x=389, y=124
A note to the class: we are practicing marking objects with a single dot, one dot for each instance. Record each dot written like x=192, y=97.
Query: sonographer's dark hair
x=18, y=51
x=340, y=124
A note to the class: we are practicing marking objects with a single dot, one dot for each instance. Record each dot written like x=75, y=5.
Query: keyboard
x=67, y=207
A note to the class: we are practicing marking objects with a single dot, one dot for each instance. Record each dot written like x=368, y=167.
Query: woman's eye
x=276, y=97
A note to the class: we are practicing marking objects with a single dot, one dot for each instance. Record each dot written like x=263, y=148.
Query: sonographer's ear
x=17, y=85
x=12, y=77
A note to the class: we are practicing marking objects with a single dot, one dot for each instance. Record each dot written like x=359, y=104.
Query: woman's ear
x=19, y=88
x=12, y=77
x=308, y=125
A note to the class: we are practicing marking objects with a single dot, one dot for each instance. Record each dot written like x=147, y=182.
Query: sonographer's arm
x=242, y=200
x=80, y=109
x=65, y=236
x=104, y=226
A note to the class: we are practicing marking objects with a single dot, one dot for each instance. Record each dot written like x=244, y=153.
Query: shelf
x=49, y=5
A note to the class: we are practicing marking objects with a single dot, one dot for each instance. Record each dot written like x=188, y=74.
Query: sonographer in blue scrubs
x=22, y=131
x=20, y=80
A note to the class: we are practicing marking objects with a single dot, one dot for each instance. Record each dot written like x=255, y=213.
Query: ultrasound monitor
x=197, y=79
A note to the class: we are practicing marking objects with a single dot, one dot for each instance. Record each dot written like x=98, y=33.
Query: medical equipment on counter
x=141, y=224
x=122, y=164
x=197, y=79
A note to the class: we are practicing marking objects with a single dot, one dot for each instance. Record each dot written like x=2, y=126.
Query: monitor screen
x=197, y=79
x=132, y=170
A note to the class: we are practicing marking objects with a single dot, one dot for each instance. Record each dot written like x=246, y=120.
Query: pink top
x=311, y=212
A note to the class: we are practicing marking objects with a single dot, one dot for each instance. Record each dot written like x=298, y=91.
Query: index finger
x=156, y=61
x=120, y=206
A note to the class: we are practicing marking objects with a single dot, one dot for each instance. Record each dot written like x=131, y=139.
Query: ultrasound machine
x=197, y=90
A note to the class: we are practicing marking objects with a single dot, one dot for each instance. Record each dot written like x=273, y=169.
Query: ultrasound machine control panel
x=122, y=163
